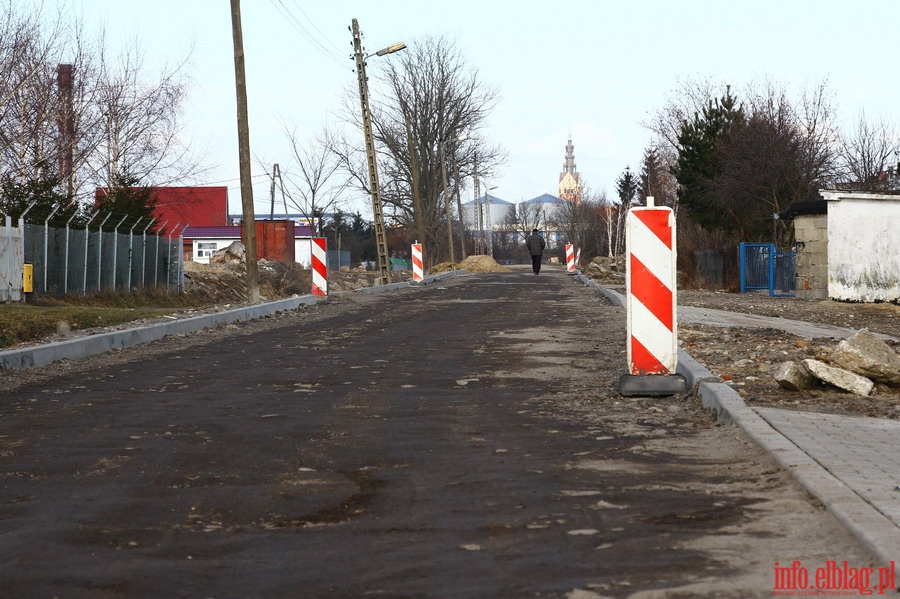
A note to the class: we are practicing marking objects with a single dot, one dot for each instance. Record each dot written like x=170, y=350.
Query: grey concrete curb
x=424, y=281
x=82, y=347
x=875, y=532
x=615, y=297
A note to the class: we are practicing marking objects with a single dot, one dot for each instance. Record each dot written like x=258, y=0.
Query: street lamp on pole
x=490, y=224
x=480, y=206
x=384, y=273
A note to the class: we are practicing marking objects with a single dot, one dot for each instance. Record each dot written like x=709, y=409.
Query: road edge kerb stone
x=91, y=345
x=874, y=531
x=424, y=281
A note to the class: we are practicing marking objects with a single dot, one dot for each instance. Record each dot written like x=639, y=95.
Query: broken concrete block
x=843, y=379
x=233, y=253
x=794, y=377
x=867, y=355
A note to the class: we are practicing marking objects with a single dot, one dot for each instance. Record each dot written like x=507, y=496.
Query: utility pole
x=276, y=174
x=377, y=211
x=414, y=169
x=446, y=199
x=248, y=218
x=479, y=226
x=459, y=210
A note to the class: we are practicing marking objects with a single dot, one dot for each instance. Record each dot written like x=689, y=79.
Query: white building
x=542, y=213
x=863, y=246
x=490, y=210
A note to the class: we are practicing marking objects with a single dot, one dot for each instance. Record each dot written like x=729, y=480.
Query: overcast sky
x=594, y=68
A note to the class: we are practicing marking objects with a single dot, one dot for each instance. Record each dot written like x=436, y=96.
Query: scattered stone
x=233, y=253
x=843, y=379
x=868, y=356
x=794, y=377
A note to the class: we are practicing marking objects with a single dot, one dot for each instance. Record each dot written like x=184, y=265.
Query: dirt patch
x=746, y=357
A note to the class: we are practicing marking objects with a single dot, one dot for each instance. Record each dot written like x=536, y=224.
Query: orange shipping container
x=274, y=240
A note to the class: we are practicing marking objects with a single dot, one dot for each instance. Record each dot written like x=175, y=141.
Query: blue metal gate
x=762, y=267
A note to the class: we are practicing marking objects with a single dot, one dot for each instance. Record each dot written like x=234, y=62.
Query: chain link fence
x=78, y=261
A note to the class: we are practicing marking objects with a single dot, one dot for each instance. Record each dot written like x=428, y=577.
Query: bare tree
x=317, y=183
x=578, y=221
x=870, y=156
x=781, y=153
x=689, y=98
x=30, y=45
x=97, y=117
x=432, y=88
x=137, y=118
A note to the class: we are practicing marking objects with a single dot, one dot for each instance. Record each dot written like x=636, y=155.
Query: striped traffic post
x=651, y=301
x=578, y=257
x=319, y=266
x=417, y=262
x=570, y=257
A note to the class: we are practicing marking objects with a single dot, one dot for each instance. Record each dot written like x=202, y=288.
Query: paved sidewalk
x=805, y=330
x=860, y=454
x=851, y=464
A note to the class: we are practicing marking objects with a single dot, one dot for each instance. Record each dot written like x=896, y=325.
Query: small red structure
x=274, y=240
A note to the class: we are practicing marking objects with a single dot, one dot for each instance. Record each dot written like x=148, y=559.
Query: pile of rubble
x=606, y=270
x=856, y=365
x=481, y=263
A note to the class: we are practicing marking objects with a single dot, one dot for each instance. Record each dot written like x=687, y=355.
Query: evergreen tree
x=126, y=197
x=45, y=191
x=700, y=161
x=627, y=188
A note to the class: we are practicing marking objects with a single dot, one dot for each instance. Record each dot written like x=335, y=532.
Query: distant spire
x=569, y=179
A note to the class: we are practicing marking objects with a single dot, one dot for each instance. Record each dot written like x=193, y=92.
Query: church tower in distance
x=569, y=179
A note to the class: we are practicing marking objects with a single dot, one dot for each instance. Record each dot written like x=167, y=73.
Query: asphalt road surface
x=462, y=439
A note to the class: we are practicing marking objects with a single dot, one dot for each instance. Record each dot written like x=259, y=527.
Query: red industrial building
x=183, y=206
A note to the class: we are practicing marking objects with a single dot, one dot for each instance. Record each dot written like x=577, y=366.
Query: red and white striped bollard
x=319, y=266
x=651, y=302
x=570, y=257
x=418, y=271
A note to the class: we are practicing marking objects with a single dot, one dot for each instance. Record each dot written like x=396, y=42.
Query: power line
x=310, y=36
x=339, y=51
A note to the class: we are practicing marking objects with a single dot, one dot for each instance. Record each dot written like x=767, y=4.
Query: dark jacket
x=535, y=244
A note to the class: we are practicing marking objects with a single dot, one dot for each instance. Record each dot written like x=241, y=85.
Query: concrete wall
x=811, y=237
x=863, y=246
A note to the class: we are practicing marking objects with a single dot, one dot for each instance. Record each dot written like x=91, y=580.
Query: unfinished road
x=461, y=439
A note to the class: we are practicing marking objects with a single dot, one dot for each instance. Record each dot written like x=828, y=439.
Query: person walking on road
x=535, y=244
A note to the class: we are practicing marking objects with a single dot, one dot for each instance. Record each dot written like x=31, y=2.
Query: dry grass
x=23, y=322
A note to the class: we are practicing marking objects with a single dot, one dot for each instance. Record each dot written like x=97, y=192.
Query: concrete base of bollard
x=652, y=385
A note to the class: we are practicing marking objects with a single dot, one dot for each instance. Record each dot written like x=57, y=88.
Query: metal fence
x=11, y=264
x=77, y=261
x=762, y=267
